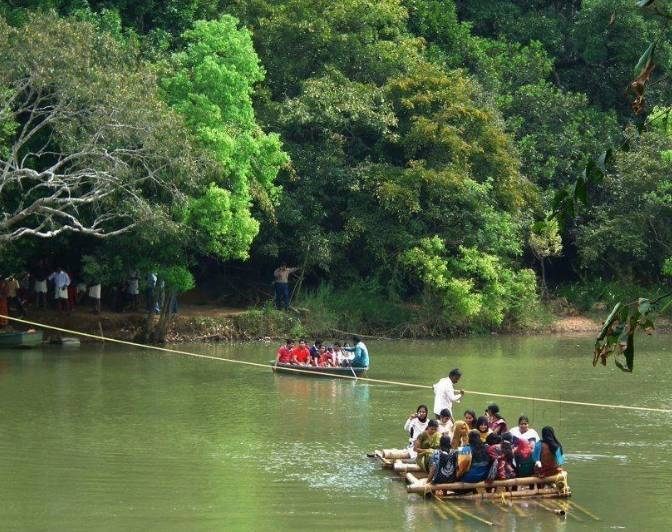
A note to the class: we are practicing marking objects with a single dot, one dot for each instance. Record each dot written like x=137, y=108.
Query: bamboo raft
x=553, y=487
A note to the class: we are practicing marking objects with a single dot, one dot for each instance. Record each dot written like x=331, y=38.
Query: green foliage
x=177, y=278
x=618, y=332
x=474, y=288
x=544, y=239
x=363, y=306
x=223, y=223
x=210, y=84
x=628, y=230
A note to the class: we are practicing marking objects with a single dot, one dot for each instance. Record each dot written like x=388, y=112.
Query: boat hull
x=313, y=371
x=21, y=339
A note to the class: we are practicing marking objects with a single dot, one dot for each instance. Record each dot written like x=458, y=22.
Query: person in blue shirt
x=361, y=359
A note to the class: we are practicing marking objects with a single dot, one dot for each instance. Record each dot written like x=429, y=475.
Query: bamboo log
x=469, y=514
x=413, y=480
x=582, y=509
x=401, y=467
x=387, y=463
x=524, y=481
x=446, y=508
x=396, y=454
x=542, y=493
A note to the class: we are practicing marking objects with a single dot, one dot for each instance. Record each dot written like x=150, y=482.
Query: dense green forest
x=433, y=166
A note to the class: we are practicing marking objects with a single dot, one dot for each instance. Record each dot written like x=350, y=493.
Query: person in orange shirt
x=284, y=355
x=300, y=353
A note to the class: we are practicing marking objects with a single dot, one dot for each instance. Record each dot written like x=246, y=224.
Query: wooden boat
x=397, y=460
x=16, y=339
x=317, y=371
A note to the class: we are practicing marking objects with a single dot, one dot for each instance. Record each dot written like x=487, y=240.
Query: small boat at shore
x=553, y=487
x=317, y=371
x=20, y=339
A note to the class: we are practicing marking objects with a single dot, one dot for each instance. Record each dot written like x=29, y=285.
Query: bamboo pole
x=542, y=493
x=396, y=454
x=556, y=511
x=401, y=467
x=582, y=509
x=523, y=481
x=446, y=508
x=469, y=514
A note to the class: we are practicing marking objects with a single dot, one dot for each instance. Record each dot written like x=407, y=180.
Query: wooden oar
x=582, y=509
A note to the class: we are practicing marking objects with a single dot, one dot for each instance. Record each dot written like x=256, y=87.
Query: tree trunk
x=544, y=288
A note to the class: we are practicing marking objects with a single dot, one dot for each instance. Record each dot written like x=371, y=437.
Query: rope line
x=298, y=370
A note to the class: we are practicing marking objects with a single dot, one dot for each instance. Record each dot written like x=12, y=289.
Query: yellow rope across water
x=312, y=372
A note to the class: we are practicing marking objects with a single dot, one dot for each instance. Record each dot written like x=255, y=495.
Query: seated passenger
x=524, y=431
x=548, y=455
x=522, y=452
x=415, y=425
x=426, y=442
x=284, y=354
x=460, y=434
x=300, y=353
x=473, y=462
x=496, y=422
x=443, y=463
x=501, y=454
x=339, y=356
x=470, y=418
x=326, y=357
x=445, y=422
x=315, y=352
x=483, y=428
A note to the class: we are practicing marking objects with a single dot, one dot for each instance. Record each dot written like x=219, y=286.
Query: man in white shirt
x=445, y=394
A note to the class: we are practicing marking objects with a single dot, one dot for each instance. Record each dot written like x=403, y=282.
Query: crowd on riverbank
x=63, y=291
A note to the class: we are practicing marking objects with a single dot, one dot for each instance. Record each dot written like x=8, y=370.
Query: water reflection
x=114, y=438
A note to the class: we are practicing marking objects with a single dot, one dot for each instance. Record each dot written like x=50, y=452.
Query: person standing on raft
x=445, y=394
x=361, y=359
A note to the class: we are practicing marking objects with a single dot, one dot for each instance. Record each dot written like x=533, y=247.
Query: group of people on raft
x=322, y=355
x=474, y=449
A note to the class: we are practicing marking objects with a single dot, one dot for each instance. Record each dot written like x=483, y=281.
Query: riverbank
x=204, y=323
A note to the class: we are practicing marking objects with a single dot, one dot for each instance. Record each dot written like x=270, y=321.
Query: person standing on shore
x=281, y=281
x=61, y=282
x=40, y=286
x=445, y=394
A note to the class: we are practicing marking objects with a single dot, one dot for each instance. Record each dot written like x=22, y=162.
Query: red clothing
x=300, y=354
x=284, y=355
x=325, y=359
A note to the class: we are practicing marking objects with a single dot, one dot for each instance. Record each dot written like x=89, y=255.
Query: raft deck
x=553, y=487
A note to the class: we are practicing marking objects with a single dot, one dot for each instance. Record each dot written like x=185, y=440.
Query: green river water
x=105, y=438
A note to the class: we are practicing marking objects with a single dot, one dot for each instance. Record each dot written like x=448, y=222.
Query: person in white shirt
x=61, y=282
x=415, y=425
x=446, y=422
x=523, y=430
x=445, y=394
